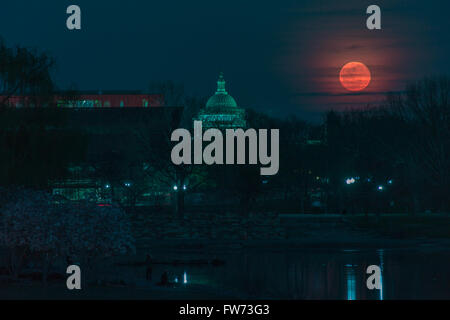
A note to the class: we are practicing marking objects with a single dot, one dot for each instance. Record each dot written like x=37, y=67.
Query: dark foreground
x=321, y=262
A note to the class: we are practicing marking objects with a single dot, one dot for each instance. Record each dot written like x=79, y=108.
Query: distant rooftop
x=94, y=99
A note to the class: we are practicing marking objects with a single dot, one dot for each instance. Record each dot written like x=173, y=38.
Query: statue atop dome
x=221, y=84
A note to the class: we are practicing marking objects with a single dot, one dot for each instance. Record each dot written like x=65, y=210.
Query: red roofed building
x=109, y=100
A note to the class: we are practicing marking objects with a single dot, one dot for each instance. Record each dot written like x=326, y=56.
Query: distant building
x=116, y=128
x=221, y=110
x=114, y=99
x=114, y=135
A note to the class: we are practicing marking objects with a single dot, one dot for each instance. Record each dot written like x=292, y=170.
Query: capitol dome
x=221, y=110
x=221, y=99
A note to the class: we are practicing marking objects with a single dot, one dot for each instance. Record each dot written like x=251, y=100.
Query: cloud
x=349, y=94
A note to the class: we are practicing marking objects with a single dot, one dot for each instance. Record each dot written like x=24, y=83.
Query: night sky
x=279, y=57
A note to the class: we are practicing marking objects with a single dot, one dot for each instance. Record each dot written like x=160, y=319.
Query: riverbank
x=36, y=291
x=333, y=242
x=330, y=232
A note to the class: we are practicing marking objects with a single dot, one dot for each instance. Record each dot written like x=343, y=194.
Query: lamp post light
x=175, y=188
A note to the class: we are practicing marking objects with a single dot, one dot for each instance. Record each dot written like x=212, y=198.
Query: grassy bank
x=403, y=226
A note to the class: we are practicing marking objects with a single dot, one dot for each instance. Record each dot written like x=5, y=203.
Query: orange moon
x=355, y=76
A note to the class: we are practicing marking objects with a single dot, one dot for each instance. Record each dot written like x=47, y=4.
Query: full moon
x=355, y=76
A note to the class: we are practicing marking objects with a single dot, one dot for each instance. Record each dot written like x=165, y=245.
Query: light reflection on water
x=325, y=274
x=351, y=282
x=351, y=271
x=381, y=255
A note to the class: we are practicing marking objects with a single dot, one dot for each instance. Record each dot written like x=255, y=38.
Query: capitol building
x=221, y=110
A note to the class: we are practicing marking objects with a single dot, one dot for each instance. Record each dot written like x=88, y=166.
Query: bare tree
x=27, y=73
x=426, y=107
x=156, y=145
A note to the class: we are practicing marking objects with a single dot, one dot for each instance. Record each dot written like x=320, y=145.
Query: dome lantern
x=221, y=99
x=221, y=84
